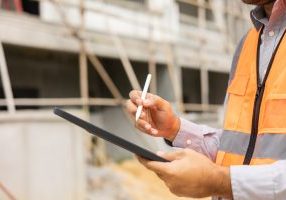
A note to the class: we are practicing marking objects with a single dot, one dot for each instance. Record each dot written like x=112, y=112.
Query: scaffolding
x=85, y=100
x=85, y=54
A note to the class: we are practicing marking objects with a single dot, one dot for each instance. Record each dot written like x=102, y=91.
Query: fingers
x=132, y=108
x=135, y=97
x=174, y=155
x=143, y=124
x=146, y=127
x=156, y=102
x=157, y=167
x=152, y=101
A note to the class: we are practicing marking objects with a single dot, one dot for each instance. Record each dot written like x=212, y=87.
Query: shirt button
x=189, y=142
x=271, y=33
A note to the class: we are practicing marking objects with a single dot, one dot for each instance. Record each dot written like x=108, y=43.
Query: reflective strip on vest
x=269, y=121
x=268, y=145
x=227, y=159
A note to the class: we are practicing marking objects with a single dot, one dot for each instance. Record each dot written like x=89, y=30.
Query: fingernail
x=154, y=131
x=147, y=102
x=147, y=126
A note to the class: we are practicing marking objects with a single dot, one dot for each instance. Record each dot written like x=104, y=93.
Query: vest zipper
x=258, y=100
x=255, y=120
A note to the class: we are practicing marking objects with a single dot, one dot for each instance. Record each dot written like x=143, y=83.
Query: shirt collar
x=258, y=17
x=278, y=16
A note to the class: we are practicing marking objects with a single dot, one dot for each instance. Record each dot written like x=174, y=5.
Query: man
x=216, y=162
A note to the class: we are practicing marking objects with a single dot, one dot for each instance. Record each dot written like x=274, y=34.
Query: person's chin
x=258, y=2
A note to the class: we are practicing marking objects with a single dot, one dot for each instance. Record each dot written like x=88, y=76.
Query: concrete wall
x=42, y=159
x=102, y=16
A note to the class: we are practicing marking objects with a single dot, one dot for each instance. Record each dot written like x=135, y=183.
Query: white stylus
x=143, y=96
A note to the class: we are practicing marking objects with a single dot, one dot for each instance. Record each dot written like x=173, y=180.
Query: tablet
x=94, y=130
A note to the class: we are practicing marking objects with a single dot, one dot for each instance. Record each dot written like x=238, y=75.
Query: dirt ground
x=127, y=181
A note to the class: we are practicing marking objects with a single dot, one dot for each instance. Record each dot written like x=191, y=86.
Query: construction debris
x=126, y=181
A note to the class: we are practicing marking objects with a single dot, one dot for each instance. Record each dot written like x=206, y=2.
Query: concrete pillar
x=43, y=160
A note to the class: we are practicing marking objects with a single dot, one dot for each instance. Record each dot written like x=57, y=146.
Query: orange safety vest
x=255, y=119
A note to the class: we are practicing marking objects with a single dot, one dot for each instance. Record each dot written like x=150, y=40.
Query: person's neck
x=268, y=9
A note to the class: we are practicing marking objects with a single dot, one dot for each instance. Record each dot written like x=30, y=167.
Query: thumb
x=171, y=156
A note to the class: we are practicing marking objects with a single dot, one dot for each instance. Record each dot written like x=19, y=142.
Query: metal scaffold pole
x=98, y=148
x=6, y=82
x=152, y=60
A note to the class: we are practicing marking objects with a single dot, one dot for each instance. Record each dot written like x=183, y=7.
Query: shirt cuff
x=191, y=135
x=253, y=182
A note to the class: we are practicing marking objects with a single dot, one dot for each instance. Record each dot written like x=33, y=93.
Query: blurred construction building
x=85, y=56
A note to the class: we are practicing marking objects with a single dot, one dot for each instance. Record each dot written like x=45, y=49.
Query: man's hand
x=157, y=118
x=191, y=174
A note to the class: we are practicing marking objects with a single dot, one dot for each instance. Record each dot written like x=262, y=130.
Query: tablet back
x=94, y=130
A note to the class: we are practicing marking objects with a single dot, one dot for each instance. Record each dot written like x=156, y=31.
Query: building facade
x=86, y=55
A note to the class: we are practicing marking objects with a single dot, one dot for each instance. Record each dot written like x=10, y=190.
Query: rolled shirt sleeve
x=267, y=182
x=200, y=138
